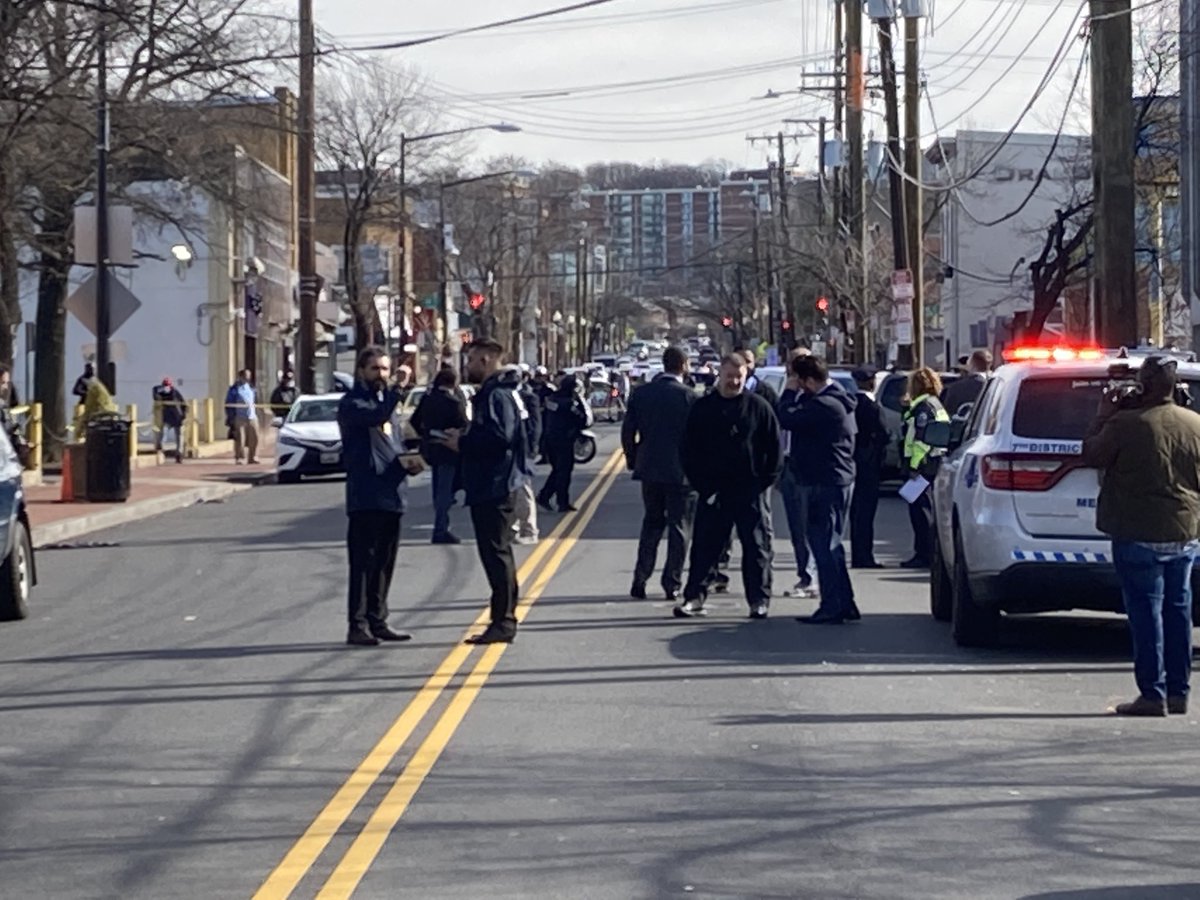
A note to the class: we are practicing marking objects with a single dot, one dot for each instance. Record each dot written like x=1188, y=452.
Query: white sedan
x=309, y=442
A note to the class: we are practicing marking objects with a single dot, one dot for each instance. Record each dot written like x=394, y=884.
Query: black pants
x=558, y=483
x=372, y=539
x=493, y=537
x=747, y=515
x=669, y=508
x=920, y=514
x=863, y=505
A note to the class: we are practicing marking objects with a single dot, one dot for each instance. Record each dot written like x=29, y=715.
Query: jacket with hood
x=731, y=445
x=823, y=429
x=493, y=448
x=375, y=478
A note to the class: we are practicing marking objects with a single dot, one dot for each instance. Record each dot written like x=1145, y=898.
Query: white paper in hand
x=912, y=489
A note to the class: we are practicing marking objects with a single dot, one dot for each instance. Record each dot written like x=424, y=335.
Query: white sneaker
x=526, y=539
x=802, y=590
x=689, y=609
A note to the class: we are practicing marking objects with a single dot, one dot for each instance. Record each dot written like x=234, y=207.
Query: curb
x=66, y=529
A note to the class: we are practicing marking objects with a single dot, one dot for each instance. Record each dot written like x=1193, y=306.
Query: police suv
x=1014, y=507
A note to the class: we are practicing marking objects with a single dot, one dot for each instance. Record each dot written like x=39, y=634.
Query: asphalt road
x=180, y=710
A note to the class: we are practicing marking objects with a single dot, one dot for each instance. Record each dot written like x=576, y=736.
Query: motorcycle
x=585, y=447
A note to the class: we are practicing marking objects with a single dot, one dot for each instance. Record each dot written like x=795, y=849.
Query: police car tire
x=973, y=625
x=940, y=598
x=16, y=576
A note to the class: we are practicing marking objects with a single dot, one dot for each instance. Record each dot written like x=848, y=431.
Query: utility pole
x=1189, y=165
x=305, y=176
x=1112, y=168
x=887, y=66
x=839, y=74
x=857, y=217
x=913, y=200
x=104, y=368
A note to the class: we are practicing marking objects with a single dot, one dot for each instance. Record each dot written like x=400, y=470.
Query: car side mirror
x=938, y=434
x=964, y=411
x=277, y=422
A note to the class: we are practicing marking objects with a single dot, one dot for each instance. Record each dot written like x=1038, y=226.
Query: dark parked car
x=18, y=574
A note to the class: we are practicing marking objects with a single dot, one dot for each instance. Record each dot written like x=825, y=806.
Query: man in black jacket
x=170, y=410
x=820, y=416
x=652, y=436
x=731, y=456
x=566, y=415
x=493, y=452
x=375, y=482
x=869, y=446
x=441, y=409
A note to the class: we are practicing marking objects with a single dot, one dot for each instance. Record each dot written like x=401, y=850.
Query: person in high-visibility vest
x=924, y=388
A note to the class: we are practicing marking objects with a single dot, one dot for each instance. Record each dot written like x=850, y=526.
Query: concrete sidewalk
x=154, y=489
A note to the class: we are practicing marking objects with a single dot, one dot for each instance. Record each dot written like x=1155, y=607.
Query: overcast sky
x=730, y=50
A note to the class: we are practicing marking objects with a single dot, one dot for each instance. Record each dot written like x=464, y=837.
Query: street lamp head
x=182, y=253
x=505, y=127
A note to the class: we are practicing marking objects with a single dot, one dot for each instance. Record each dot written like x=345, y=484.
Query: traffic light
x=823, y=304
x=786, y=324
x=477, y=301
x=727, y=321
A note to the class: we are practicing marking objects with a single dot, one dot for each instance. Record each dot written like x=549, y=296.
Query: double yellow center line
x=366, y=846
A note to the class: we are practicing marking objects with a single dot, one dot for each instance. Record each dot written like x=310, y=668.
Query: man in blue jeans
x=819, y=416
x=1147, y=447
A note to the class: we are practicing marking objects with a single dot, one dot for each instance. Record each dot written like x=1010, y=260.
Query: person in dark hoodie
x=566, y=414
x=819, y=414
x=493, y=451
x=375, y=481
x=441, y=408
x=731, y=455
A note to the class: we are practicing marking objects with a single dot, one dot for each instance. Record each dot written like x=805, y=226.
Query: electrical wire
x=1045, y=167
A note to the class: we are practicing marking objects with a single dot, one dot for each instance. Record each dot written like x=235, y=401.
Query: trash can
x=108, y=459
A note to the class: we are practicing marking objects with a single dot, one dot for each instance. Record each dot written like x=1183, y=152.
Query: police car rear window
x=1057, y=408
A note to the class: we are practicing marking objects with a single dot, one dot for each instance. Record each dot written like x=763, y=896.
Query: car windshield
x=1062, y=408
x=314, y=411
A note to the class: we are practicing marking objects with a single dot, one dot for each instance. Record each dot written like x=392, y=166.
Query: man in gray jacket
x=651, y=436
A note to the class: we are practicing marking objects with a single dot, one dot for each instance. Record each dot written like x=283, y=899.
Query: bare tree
x=164, y=58
x=363, y=112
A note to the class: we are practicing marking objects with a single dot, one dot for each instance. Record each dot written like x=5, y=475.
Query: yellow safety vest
x=923, y=410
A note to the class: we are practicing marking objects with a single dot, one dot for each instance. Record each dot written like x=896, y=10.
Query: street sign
x=902, y=285
x=121, y=303
x=902, y=319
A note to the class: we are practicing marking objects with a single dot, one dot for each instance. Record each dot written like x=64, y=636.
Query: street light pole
x=103, y=316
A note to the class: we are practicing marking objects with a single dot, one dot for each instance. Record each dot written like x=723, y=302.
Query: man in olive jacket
x=1148, y=451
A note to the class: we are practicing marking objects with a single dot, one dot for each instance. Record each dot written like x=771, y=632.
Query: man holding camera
x=1147, y=447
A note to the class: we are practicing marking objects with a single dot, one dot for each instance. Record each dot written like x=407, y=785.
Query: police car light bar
x=1053, y=354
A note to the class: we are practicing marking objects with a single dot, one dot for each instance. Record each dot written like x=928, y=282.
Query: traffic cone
x=68, y=486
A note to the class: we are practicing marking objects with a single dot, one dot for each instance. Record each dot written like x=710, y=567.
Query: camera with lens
x=1125, y=391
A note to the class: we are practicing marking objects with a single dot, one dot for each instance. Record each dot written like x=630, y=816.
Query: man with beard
x=731, y=455
x=375, y=477
x=494, y=453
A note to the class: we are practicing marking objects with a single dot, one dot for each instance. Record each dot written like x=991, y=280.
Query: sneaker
x=758, y=611
x=689, y=609
x=1143, y=706
x=803, y=589
x=527, y=540
x=1177, y=706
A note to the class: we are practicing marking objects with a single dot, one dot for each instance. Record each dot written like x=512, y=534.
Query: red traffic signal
x=477, y=301
x=823, y=304
x=787, y=324
x=727, y=321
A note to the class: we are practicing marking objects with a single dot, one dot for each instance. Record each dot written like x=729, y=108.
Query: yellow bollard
x=193, y=430
x=35, y=438
x=210, y=420
x=131, y=414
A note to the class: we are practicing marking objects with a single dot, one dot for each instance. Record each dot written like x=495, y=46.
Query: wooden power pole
x=913, y=199
x=305, y=176
x=887, y=67
x=1189, y=166
x=857, y=214
x=1112, y=171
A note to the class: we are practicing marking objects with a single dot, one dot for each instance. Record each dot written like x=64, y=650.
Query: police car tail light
x=1014, y=472
x=1052, y=354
